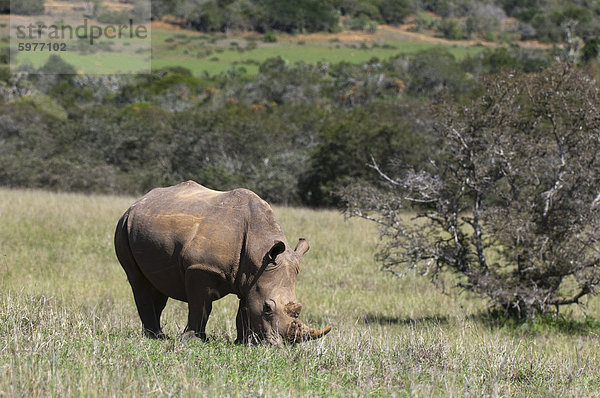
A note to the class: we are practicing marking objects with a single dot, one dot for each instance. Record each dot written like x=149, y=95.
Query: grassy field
x=218, y=53
x=68, y=325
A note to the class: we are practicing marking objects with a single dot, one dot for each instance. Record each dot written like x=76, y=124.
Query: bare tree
x=511, y=204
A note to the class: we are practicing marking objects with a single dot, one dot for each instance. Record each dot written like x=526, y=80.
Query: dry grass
x=68, y=325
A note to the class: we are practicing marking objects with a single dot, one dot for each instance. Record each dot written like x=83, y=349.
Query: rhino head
x=272, y=311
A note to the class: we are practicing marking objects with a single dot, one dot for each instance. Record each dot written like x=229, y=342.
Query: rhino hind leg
x=148, y=300
x=159, y=302
x=150, y=304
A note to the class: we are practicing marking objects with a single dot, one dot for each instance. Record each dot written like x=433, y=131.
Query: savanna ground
x=68, y=324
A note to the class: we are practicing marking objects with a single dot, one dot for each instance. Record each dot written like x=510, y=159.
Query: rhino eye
x=269, y=307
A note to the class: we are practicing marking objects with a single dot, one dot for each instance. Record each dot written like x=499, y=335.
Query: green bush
x=361, y=22
x=4, y=73
x=396, y=11
x=115, y=17
x=296, y=16
x=270, y=37
x=366, y=9
x=26, y=7
x=424, y=21
x=590, y=50
x=451, y=29
x=5, y=55
x=433, y=71
x=56, y=66
x=346, y=146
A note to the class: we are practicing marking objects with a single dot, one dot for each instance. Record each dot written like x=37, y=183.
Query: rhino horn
x=315, y=334
x=299, y=332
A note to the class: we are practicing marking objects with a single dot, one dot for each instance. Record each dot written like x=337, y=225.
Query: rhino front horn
x=298, y=332
x=315, y=334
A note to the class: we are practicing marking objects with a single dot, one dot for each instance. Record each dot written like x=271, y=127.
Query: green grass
x=190, y=50
x=98, y=63
x=68, y=324
x=214, y=54
x=126, y=56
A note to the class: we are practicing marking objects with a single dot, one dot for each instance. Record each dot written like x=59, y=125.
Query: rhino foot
x=155, y=335
x=191, y=335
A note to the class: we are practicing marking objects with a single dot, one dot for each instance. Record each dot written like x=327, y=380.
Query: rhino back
x=187, y=225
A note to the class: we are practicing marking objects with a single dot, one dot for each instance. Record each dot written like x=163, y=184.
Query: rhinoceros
x=197, y=245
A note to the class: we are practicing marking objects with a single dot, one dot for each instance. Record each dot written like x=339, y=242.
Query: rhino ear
x=276, y=250
x=302, y=247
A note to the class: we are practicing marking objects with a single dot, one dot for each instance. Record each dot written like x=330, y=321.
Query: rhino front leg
x=197, y=319
x=242, y=324
x=201, y=291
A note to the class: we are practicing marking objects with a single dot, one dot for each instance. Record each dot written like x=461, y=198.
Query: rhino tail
x=122, y=248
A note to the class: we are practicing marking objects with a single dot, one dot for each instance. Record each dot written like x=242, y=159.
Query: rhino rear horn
x=302, y=246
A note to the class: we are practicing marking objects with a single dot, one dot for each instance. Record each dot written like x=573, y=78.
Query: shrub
x=347, y=144
x=115, y=17
x=270, y=37
x=361, y=22
x=511, y=207
x=451, y=29
x=57, y=66
x=424, y=21
x=5, y=55
x=396, y=11
x=431, y=71
x=590, y=50
x=23, y=7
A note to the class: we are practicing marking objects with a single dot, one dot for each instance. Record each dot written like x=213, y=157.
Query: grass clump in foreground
x=68, y=324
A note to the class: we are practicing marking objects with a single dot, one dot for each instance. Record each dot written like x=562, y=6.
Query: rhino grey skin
x=197, y=245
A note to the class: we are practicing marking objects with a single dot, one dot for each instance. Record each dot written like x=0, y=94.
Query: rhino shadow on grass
x=387, y=320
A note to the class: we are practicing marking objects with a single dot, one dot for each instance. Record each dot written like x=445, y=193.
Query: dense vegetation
x=23, y=7
x=292, y=133
x=545, y=20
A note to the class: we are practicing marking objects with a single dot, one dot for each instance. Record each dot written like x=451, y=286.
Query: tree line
x=292, y=133
x=455, y=19
x=544, y=20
